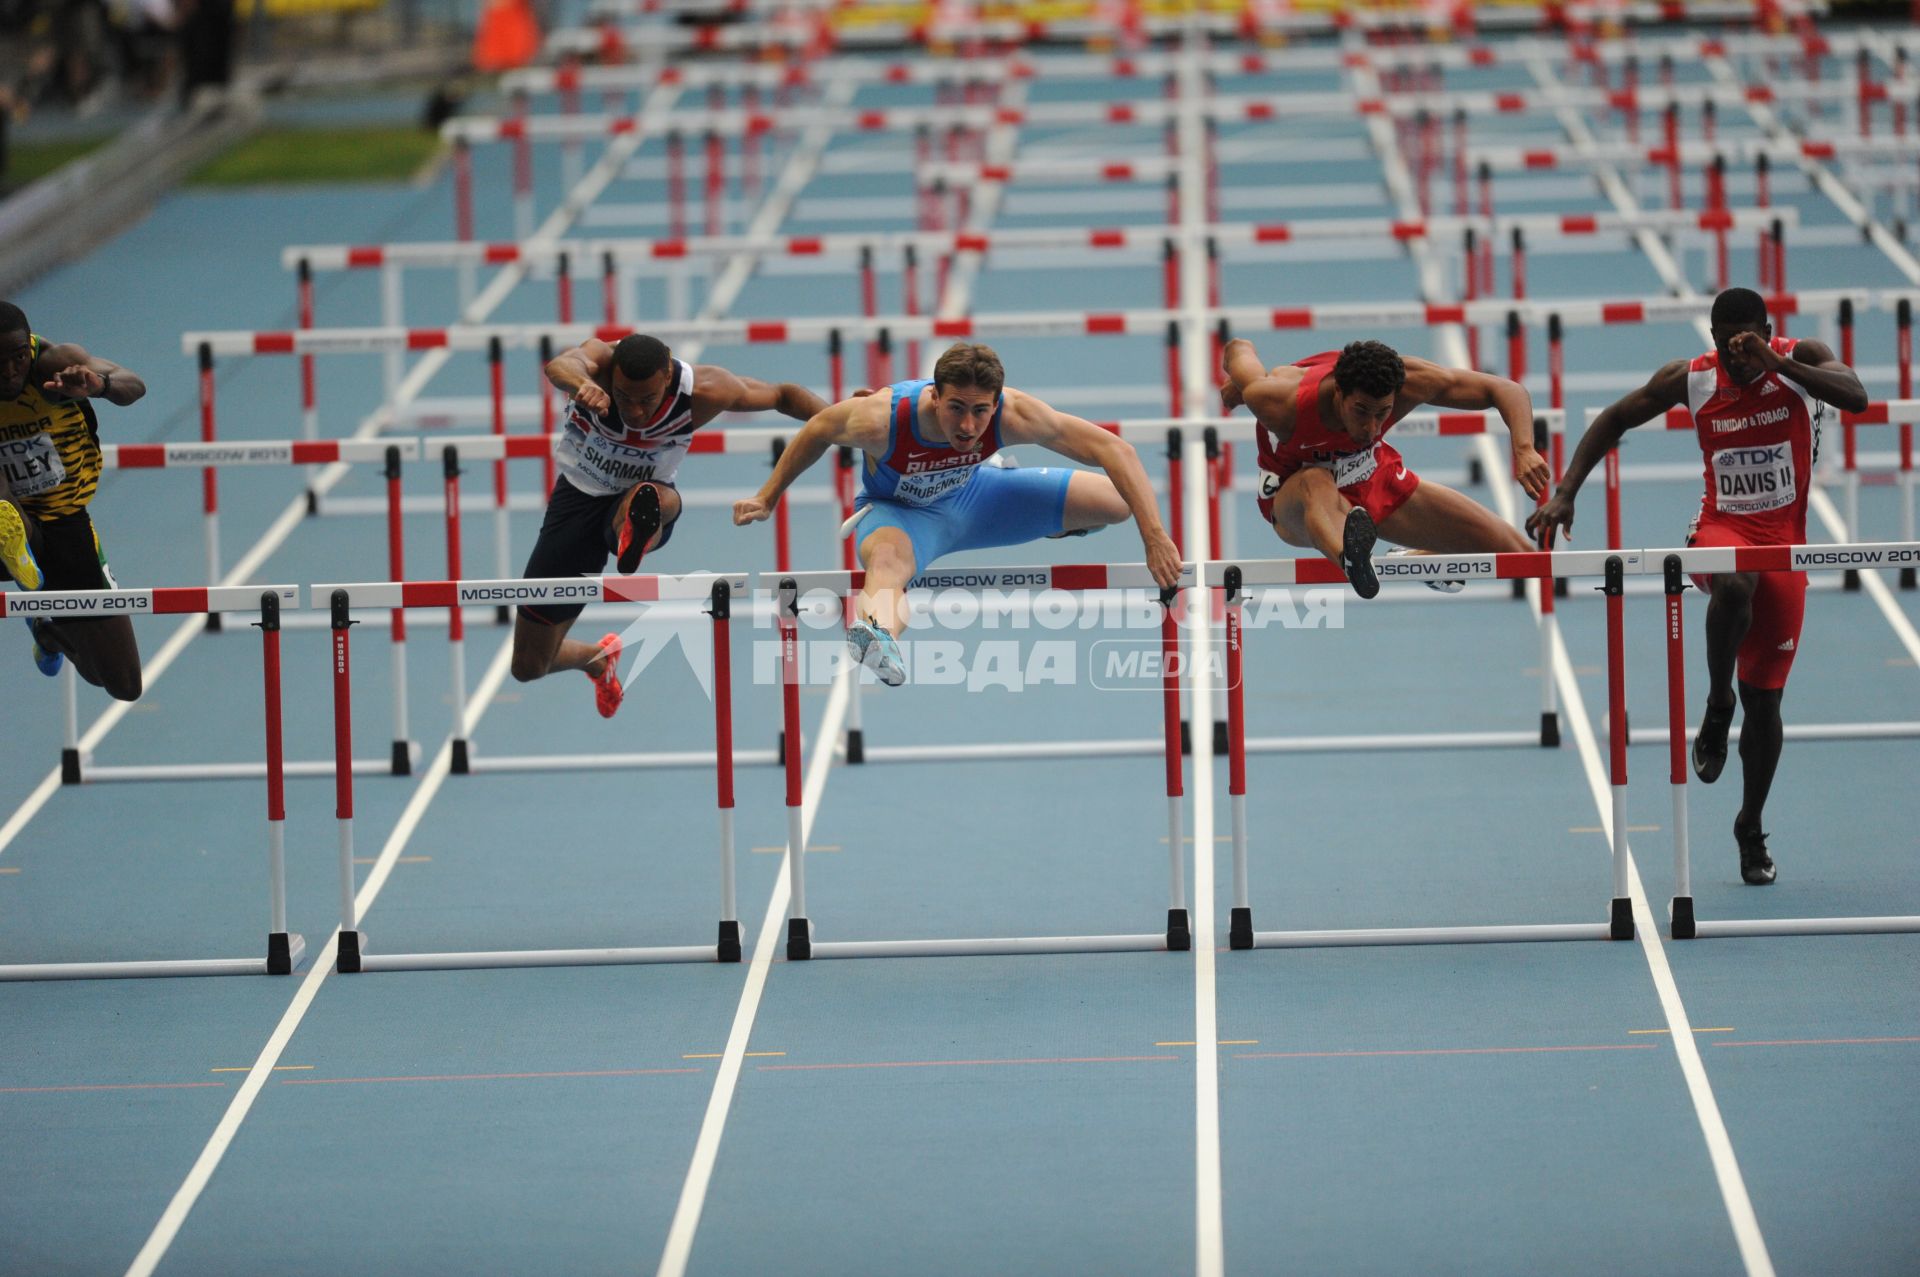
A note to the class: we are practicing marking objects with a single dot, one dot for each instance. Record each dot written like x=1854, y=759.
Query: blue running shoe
x=45, y=658
x=874, y=648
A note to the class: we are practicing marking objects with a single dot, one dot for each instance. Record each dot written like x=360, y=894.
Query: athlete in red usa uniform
x=1330, y=481
x=632, y=412
x=931, y=485
x=1757, y=402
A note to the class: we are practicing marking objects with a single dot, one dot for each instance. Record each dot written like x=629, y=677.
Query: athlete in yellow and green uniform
x=49, y=468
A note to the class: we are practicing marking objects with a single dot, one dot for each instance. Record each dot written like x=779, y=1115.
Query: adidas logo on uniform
x=1786, y=646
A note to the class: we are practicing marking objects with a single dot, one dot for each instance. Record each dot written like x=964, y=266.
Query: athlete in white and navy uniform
x=1757, y=402
x=929, y=491
x=632, y=412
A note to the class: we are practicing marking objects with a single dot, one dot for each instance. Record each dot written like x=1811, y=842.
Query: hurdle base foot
x=1681, y=913
x=347, y=957
x=856, y=746
x=462, y=764
x=1179, y=931
x=1850, y=581
x=799, y=940
x=70, y=767
x=1240, y=928
x=280, y=953
x=1549, y=729
x=728, y=948
x=1621, y=924
x=402, y=758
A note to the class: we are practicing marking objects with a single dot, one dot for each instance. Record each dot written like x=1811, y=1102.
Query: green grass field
x=31, y=161
x=289, y=155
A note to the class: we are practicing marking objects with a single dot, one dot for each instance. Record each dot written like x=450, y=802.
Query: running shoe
x=637, y=525
x=1356, y=553
x=607, y=692
x=1756, y=866
x=1438, y=587
x=45, y=658
x=873, y=647
x=15, y=551
x=1710, y=743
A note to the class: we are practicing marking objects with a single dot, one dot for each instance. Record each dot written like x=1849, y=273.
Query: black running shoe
x=1756, y=866
x=1710, y=743
x=637, y=528
x=1356, y=553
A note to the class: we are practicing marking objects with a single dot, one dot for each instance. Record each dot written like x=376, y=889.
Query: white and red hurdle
x=283, y=949
x=842, y=585
x=717, y=590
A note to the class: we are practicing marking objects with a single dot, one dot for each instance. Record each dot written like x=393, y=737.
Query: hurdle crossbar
x=284, y=950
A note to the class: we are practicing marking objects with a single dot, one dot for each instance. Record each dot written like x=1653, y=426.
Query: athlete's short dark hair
x=966, y=364
x=1371, y=368
x=640, y=356
x=13, y=319
x=1739, y=307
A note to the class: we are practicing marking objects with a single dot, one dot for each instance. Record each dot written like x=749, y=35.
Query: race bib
x=598, y=465
x=1352, y=467
x=925, y=489
x=1754, y=480
x=32, y=465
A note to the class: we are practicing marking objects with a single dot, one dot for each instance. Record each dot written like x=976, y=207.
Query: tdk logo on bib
x=1754, y=480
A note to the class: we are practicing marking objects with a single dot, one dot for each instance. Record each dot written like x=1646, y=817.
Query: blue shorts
x=997, y=507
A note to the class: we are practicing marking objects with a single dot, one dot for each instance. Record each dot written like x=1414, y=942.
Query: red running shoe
x=607, y=692
x=637, y=526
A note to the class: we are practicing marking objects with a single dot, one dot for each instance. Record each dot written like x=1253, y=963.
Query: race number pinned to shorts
x=1352, y=467
x=1269, y=484
x=1754, y=479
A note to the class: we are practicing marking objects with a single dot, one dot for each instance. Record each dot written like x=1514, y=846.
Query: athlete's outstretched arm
x=67, y=371
x=1080, y=440
x=1467, y=390
x=1665, y=389
x=853, y=423
x=724, y=391
x=1812, y=364
x=575, y=373
x=1266, y=396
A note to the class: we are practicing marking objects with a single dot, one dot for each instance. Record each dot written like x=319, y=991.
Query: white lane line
x=1209, y=1223
x=706, y=1149
x=1713, y=1128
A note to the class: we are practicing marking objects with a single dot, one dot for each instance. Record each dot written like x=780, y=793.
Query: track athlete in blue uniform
x=931, y=488
x=632, y=412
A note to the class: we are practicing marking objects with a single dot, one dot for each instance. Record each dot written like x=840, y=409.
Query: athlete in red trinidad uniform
x=630, y=422
x=1329, y=481
x=1757, y=402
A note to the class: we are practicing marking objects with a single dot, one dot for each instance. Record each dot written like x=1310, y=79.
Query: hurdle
x=284, y=950
x=1078, y=578
x=718, y=590
x=1683, y=922
x=1235, y=580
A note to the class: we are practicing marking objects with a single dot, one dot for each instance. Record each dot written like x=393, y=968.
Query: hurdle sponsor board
x=269, y=452
x=1417, y=567
x=160, y=601
x=475, y=593
x=1057, y=576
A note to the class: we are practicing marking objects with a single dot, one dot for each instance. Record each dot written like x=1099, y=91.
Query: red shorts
x=1779, y=606
x=1379, y=494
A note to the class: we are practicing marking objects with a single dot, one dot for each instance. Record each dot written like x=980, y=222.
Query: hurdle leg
x=70, y=773
x=1680, y=910
x=282, y=950
x=799, y=928
x=721, y=610
x=347, y=958
x=402, y=763
x=456, y=618
x=1179, y=926
x=392, y=315
x=1240, y=924
x=1622, y=913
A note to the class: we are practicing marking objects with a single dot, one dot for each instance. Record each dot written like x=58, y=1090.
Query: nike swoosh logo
x=1402, y=474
